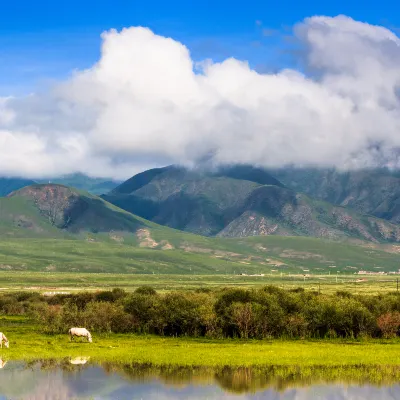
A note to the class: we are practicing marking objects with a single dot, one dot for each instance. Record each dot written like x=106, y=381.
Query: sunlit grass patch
x=26, y=343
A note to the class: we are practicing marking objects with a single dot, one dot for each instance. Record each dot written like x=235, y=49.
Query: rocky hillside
x=375, y=192
x=56, y=228
x=51, y=208
x=240, y=201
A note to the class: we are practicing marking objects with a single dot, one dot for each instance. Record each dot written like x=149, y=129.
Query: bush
x=147, y=290
x=243, y=317
x=259, y=313
x=295, y=326
x=110, y=296
x=145, y=313
x=389, y=324
x=49, y=318
x=106, y=317
x=180, y=313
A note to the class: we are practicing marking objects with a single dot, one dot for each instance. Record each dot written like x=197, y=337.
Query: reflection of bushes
x=252, y=379
x=266, y=312
x=239, y=379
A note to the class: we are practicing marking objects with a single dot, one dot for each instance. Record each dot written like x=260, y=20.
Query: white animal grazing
x=80, y=332
x=4, y=340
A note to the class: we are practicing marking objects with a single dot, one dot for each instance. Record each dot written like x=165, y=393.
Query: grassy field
x=191, y=254
x=26, y=343
x=72, y=282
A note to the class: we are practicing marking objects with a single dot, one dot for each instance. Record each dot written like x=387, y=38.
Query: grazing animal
x=4, y=340
x=80, y=332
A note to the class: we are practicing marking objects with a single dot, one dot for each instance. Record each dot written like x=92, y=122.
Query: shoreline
x=158, y=351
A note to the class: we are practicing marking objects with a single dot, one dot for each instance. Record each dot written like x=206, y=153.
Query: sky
x=46, y=40
x=115, y=87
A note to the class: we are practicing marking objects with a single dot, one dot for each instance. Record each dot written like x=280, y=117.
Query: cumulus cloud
x=147, y=103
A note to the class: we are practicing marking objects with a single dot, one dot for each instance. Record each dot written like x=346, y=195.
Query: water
x=81, y=379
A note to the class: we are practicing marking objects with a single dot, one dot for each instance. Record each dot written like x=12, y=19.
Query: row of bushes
x=258, y=313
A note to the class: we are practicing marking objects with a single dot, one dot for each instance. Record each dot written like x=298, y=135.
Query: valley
x=266, y=228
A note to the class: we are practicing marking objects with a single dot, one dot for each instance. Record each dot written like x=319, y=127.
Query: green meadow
x=26, y=343
x=185, y=254
x=77, y=281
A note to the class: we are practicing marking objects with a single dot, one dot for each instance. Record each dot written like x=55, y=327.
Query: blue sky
x=43, y=40
x=349, y=93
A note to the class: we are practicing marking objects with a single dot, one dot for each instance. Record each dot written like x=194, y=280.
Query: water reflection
x=80, y=378
x=79, y=360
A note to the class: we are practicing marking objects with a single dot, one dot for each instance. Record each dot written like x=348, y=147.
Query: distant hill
x=8, y=185
x=49, y=227
x=239, y=201
x=56, y=210
x=375, y=192
x=80, y=181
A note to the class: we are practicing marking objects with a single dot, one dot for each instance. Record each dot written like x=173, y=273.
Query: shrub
x=110, y=296
x=145, y=313
x=81, y=299
x=295, y=326
x=389, y=324
x=147, y=290
x=105, y=296
x=49, y=318
x=344, y=293
x=243, y=318
x=208, y=317
x=258, y=313
x=106, y=317
x=180, y=313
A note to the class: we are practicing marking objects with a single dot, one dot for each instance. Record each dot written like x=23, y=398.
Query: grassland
x=73, y=282
x=26, y=343
x=108, y=239
x=97, y=236
x=191, y=254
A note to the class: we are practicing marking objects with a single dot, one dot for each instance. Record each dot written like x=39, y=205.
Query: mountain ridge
x=79, y=181
x=221, y=203
x=51, y=227
x=371, y=191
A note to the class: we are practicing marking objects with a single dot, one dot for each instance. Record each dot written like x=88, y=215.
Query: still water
x=82, y=379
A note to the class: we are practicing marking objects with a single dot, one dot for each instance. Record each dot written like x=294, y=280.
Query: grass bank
x=75, y=281
x=27, y=344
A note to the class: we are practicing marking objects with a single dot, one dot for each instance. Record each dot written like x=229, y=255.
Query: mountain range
x=243, y=201
x=79, y=181
x=245, y=219
x=235, y=201
x=374, y=191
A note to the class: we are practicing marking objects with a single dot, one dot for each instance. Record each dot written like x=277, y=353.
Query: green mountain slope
x=375, y=192
x=57, y=210
x=57, y=228
x=222, y=203
x=165, y=251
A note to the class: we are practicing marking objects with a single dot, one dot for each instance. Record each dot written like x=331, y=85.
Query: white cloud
x=147, y=103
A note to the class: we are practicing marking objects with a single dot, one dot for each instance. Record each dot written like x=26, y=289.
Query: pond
x=80, y=378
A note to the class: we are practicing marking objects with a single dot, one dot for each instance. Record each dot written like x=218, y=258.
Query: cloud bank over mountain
x=147, y=103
